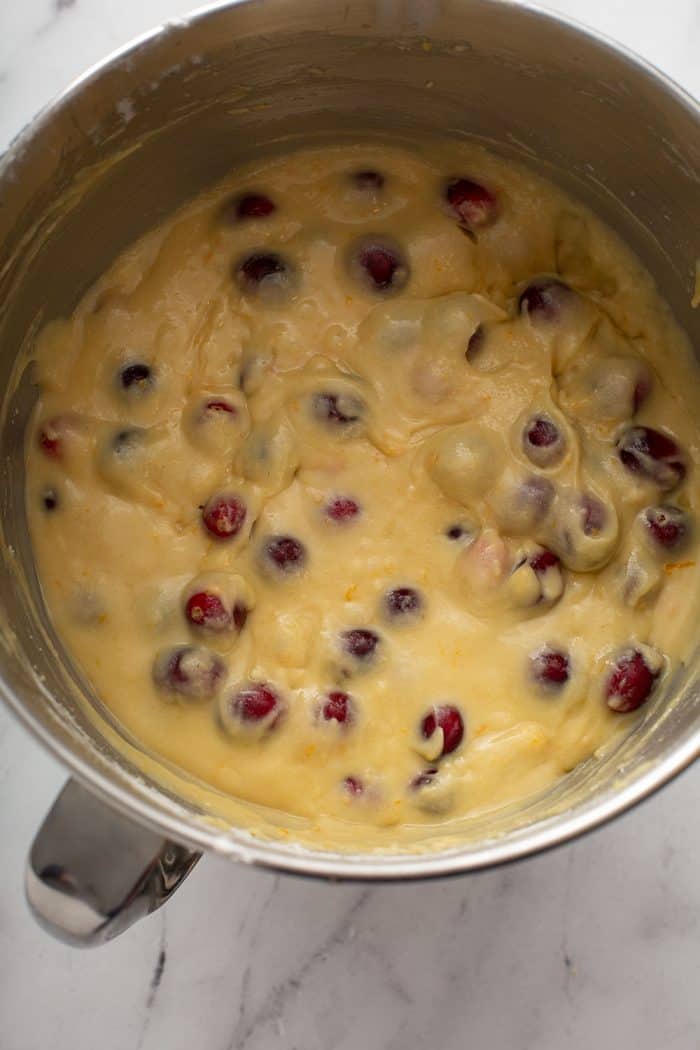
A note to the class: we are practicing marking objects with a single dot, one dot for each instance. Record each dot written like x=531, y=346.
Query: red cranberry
x=447, y=718
x=189, y=671
x=630, y=682
x=353, y=786
x=257, y=702
x=425, y=778
x=342, y=509
x=652, y=455
x=368, y=180
x=472, y=203
x=668, y=526
x=206, y=610
x=218, y=407
x=403, y=602
x=544, y=298
x=223, y=516
x=287, y=554
x=360, y=642
x=136, y=378
x=254, y=206
x=337, y=409
x=338, y=707
x=381, y=264
x=542, y=560
x=543, y=442
x=49, y=439
x=550, y=668
x=260, y=268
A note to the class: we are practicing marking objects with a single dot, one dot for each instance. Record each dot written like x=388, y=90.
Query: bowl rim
x=290, y=857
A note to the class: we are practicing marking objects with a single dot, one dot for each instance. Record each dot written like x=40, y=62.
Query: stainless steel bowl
x=151, y=127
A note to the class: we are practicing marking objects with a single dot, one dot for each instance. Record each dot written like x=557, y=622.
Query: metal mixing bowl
x=151, y=127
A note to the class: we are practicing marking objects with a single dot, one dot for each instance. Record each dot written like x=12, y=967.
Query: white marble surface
x=595, y=945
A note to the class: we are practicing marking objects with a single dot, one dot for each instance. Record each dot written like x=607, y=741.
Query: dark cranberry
x=533, y=499
x=456, y=532
x=668, y=526
x=260, y=268
x=543, y=442
x=630, y=682
x=360, y=642
x=136, y=378
x=337, y=707
x=403, y=601
x=49, y=500
x=254, y=206
x=223, y=516
x=544, y=298
x=368, y=180
x=447, y=718
x=338, y=409
x=550, y=667
x=642, y=389
x=542, y=560
x=652, y=455
x=240, y=615
x=189, y=671
x=381, y=264
x=425, y=778
x=206, y=610
x=217, y=407
x=286, y=553
x=257, y=702
x=472, y=203
x=593, y=515
x=342, y=509
x=476, y=342
x=353, y=786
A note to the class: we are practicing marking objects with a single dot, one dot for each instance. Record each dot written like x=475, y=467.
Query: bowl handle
x=91, y=872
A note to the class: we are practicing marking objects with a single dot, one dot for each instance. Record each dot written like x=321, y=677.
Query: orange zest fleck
x=673, y=565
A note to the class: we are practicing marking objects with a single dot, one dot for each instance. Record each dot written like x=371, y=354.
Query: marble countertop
x=597, y=944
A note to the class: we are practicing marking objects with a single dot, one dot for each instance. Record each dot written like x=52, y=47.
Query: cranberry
x=136, y=378
x=550, y=667
x=189, y=671
x=254, y=206
x=337, y=707
x=223, y=516
x=594, y=515
x=260, y=268
x=286, y=553
x=544, y=298
x=368, y=180
x=447, y=718
x=206, y=610
x=456, y=532
x=240, y=615
x=255, y=703
x=49, y=500
x=668, y=526
x=652, y=455
x=218, y=407
x=543, y=560
x=642, y=389
x=476, y=342
x=49, y=439
x=425, y=778
x=543, y=442
x=630, y=682
x=534, y=498
x=337, y=409
x=342, y=509
x=381, y=264
x=353, y=786
x=403, y=601
x=360, y=642
x=472, y=203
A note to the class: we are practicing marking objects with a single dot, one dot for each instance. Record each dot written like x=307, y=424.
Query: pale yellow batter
x=453, y=560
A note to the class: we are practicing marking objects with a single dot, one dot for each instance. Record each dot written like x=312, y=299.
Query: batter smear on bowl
x=365, y=487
